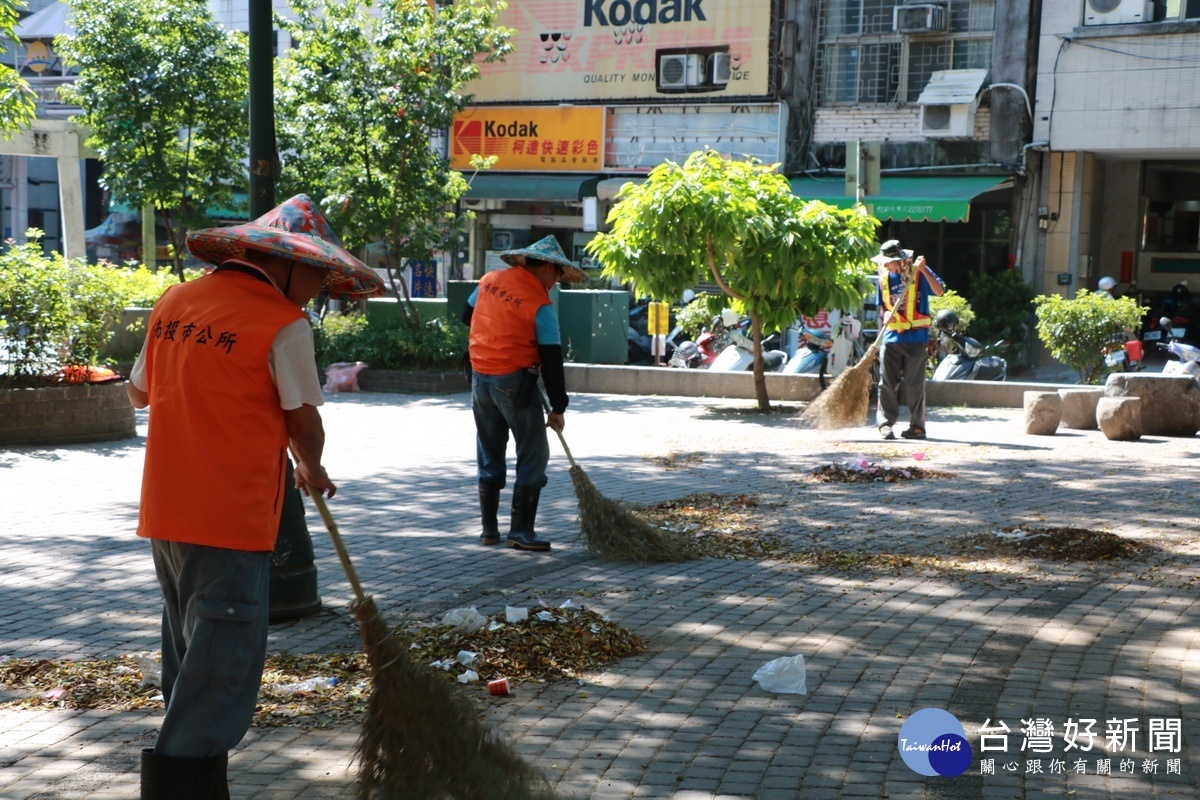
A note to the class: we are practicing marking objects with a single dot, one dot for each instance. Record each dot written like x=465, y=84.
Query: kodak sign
x=530, y=139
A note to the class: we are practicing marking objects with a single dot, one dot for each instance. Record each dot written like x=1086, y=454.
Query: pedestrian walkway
x=990, y=641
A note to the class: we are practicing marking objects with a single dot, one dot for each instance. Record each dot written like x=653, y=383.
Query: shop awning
x=926, y=199
x=532, y=186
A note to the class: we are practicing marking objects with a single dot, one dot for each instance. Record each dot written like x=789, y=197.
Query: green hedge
x=437, y=344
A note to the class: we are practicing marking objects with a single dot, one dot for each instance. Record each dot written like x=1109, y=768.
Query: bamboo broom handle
x=336, y=538
x=567, y=450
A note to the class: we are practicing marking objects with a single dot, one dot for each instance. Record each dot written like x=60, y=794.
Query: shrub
x=1003, y=303
x=955, y=302
x=697, y=315
x=54, y=313
x=1078, y=331
x=437, y=344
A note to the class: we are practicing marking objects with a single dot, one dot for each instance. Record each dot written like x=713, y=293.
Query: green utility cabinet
x=594, y=326
x=457, y=293
x=385, y=311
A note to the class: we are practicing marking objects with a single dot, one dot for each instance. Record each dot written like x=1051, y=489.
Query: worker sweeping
x=905, y=287
x=230, y=378
x=514, y=339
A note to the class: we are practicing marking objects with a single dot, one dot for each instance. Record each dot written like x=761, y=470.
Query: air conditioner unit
x=680, y=71
x=919, y=18
x=955, y=120
x=718, y=69
x=479, y=204
x=1117, y=12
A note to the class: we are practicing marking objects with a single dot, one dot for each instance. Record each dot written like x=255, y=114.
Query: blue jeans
x=492, y=399
x=214, y=643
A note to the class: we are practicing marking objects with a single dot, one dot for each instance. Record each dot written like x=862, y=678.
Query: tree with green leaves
x=775, y=255
x=1079, y=331
x=358, y=98
x=162, y=86
x=19, y=106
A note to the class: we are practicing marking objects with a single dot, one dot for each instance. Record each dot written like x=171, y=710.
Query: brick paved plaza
x=985, y=639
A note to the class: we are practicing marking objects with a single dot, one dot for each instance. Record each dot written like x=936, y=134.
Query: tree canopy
x=18, y=106
x=163, y=88
x=358, y=99
x=777, y=256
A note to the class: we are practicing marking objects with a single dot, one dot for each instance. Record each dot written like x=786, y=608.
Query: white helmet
x=730, y=318
x=1106, y=283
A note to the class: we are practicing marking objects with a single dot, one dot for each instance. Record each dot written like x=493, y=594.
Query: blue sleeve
x=474, y=297
x=546, y=324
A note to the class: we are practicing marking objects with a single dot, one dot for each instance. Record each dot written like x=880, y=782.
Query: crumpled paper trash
x=470, y=676
x=464, y=620
x=151, y=669
x=785, y=675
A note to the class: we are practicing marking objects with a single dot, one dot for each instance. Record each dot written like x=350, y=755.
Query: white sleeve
x=137, y=375
x=293, y=363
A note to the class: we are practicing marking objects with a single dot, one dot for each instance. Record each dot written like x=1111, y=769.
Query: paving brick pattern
x=683, y=720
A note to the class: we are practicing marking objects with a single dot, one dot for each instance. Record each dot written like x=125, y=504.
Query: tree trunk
x=760, y=375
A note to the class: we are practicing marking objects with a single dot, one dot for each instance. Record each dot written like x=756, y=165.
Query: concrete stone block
x=1170, y=403
x=1079, y=407
x=1043, y=411
x=1120, y=418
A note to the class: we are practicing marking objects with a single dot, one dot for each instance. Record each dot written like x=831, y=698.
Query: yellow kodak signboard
x=537, y=139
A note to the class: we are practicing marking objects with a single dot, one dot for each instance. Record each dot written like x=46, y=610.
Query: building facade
x=1117, y=132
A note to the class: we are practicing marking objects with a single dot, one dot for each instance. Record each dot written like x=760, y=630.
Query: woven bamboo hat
x=297, y=231
x=546, y=249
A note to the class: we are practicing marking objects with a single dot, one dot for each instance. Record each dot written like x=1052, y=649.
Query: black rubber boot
x=524, y=513
x=169, y=778
x=489, y=504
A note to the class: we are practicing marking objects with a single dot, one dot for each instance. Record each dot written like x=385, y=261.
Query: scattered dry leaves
x=676, y=460
x=575, y=642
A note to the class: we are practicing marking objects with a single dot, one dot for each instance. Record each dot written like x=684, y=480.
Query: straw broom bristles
x=422, y=740
x=610, y=530
x=846, y=402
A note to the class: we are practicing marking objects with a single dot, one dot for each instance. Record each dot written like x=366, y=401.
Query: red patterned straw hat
x=294, y=230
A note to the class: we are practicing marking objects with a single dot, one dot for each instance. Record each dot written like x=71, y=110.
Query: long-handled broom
x=846, y=402
x=421, y=739
x=610, y=530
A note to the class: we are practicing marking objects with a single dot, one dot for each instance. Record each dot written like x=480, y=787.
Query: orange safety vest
x=503, y=331
x=906, y=316
x=216, y=449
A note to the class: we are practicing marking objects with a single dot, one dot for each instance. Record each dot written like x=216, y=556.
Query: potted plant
x=56, y=317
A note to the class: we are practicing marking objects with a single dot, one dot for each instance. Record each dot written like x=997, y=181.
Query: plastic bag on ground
x=343, y=376
x=785, y=675
x=464, y=620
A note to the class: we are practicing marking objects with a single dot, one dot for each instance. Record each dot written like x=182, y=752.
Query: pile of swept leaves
x=726, y=526
x=571, y=643
x=1053, y=544
x=554, y=643
x=872, y=473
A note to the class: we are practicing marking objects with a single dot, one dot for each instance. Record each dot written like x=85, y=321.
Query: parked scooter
x=739, y=356
x=966, y=359
x=701, y=353
x=1189, y=359
x=1123, y=354
x=826, y=353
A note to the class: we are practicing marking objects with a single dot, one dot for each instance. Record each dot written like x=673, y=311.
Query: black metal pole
x=293, y=573
x=263, y=157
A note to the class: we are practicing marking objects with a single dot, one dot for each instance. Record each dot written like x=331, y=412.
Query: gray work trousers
x=214, y=642
x=902, y=373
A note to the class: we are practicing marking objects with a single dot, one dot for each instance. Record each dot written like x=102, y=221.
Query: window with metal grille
x=861, y=59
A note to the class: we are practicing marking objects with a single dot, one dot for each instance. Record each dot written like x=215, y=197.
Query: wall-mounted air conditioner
x=953, y=120
x=919, y=18
x=718, y=68
x=502, y=240
x=679, y=71
x=479, y=204
x=1117, y=12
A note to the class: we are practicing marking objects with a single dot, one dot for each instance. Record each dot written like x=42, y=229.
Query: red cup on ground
x=498, y=686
